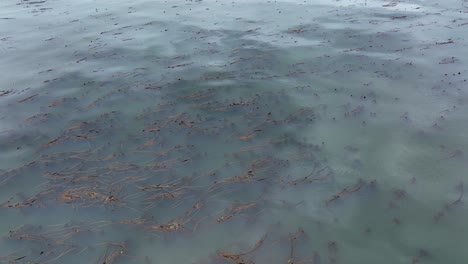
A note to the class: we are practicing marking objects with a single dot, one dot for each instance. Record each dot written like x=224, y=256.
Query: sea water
x=233, y=131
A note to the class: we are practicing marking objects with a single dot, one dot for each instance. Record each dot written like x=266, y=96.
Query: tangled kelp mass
x=233, y=132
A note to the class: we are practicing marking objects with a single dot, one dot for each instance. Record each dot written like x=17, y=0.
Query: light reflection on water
x=233, y=132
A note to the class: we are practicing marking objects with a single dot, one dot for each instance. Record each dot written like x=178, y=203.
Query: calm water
x=233, y=131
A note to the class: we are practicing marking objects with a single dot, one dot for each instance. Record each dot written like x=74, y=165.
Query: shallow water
x=233, y=131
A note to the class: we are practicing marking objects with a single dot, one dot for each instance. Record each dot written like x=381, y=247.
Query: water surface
x=233, y=131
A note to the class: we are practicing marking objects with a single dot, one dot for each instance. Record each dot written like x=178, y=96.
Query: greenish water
x=233, y=131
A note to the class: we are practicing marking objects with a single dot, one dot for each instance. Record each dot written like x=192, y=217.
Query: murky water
x=233, y=131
